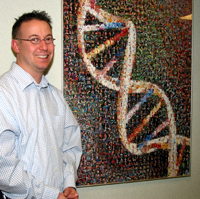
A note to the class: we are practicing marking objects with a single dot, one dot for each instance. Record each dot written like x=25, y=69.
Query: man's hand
x=69, y=193
x=61, y=196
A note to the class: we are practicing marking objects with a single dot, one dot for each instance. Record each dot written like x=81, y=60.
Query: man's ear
x=15, y=45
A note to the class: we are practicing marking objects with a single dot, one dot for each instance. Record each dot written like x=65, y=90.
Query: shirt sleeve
x=15, y=182
x=72, y=149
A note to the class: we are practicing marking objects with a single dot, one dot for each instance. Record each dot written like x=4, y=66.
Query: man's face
x=34, y=58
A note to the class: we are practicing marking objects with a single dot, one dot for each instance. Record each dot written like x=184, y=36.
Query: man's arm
x=15, y=182
x=72, y=150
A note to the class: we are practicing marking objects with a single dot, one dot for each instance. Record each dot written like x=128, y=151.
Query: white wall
x=185, y=187
x=9, y=10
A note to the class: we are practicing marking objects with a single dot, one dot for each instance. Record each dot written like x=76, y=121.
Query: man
x=40, y=142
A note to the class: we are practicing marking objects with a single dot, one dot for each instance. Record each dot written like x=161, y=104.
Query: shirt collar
x=24, y=79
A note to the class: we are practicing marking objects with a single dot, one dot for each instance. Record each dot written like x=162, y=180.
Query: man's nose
x=43, y=44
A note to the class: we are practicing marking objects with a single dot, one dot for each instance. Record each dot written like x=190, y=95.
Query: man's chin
x=44, y=68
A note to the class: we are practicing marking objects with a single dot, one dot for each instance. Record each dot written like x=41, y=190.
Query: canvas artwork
x=127, y=79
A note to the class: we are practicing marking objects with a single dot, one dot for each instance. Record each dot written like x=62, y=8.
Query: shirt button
x=52, y=148
x=56, y=169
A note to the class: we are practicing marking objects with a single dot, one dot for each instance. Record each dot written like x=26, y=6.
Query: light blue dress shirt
x=40, y=142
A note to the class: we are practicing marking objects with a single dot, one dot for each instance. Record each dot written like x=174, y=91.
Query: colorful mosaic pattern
x=127, y=78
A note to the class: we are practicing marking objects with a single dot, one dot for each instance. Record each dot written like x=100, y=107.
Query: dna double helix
x=125, y=86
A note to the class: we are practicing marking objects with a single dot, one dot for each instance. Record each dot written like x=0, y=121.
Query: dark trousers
x=2, y=196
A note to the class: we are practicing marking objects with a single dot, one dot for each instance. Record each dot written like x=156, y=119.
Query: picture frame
x=127, y=78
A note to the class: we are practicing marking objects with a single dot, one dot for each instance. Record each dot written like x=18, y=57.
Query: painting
x=127, y=79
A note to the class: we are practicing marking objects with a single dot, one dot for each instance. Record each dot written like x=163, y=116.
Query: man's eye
x=35, y=40
x=49, y=39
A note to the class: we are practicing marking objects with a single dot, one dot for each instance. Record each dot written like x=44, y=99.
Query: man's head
x=37, y=15
x=33, y=43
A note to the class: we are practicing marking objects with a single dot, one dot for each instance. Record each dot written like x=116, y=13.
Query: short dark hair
x=35, y=14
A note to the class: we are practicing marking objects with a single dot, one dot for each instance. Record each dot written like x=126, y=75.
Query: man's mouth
x=42, y=56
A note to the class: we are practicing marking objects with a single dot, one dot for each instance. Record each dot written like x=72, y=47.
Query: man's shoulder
x=5, y=79
x=7, y=83
x=6, y=90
